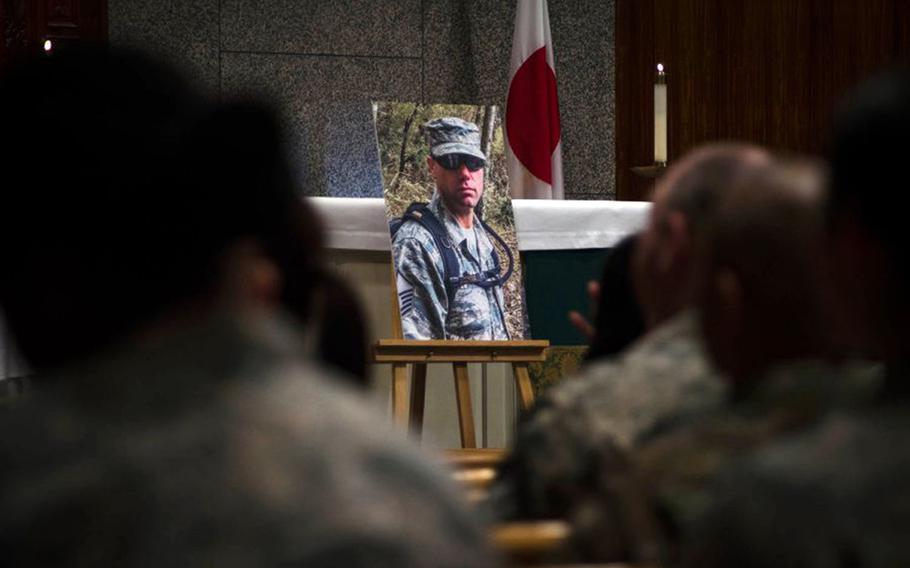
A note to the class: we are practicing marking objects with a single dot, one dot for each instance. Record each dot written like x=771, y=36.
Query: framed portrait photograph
x=454, y=247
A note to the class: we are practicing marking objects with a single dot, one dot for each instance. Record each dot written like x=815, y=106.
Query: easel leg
x=463, y=398
x=399, y=392
x=523, y=384
x=418, y=397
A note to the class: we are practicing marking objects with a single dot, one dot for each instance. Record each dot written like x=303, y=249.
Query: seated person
x=617, y=319
x=149, y=243
x=765, y=328
x=839, y=494
x=571, y=434
x=341, y=329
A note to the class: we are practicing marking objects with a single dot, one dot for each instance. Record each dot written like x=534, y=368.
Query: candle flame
x=660, y=67
x=48, y=45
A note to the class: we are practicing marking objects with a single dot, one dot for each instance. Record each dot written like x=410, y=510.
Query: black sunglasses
x=454, y=161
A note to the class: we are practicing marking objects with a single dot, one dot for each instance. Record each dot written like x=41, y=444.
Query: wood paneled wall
x=26, y=24
x=765, y=71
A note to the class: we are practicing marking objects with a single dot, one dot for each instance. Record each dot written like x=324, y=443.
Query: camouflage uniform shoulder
x=404, y=503
x=836, y=495
x=680, y=465
x=415, y=232
x=580, y=427
x=678, y=461
x=412, y=230
x=664, y=375
x=652, y=499
x=247, y=443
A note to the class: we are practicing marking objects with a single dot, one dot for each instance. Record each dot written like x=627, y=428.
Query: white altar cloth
x=542, y=224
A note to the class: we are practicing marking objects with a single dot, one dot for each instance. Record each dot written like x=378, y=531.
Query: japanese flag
x=532, y=110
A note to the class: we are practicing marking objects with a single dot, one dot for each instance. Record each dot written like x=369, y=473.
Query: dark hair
x=122, y=190
x=618, y=320
x=869, y=145
x=342, y=333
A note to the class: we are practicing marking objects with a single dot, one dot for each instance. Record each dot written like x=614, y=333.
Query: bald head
x=761, y=300
x=684, y=210
x=694, y=186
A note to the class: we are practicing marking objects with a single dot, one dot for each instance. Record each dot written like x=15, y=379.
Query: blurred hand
x=582, y=323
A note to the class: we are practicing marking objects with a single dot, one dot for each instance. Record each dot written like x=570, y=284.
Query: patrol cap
x=451, y=135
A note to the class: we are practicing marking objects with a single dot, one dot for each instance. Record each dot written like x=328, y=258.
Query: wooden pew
x=475, y=469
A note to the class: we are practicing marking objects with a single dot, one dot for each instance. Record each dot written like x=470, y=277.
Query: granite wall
x=325, y=61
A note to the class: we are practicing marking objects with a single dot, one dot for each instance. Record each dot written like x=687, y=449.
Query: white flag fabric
x=533, y=149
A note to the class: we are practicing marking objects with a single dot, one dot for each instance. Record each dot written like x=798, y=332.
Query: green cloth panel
x=555, y=283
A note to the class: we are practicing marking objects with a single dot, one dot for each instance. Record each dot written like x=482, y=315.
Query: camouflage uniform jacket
x=676, y=463
x=579, y=428
x=216, y=446
x=837, y=495
x=426, y=311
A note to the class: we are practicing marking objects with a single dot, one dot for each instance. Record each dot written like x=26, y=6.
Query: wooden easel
x=401, y=352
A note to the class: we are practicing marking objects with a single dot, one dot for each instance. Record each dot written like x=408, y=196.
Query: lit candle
x=660, y=115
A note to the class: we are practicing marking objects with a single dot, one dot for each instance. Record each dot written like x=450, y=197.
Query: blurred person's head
x=130, y=202
x=684, y=209
x=341, y=329
x=866, y=223
x=618, y=320
x=762, y=300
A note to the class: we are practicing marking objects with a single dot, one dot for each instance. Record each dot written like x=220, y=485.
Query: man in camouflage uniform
x=476, y=310
x=173, y=420
x=570, y=441
x=766, y=331
x=839, y=495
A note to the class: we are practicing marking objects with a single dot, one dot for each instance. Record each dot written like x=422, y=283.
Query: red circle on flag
x=532, y=115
